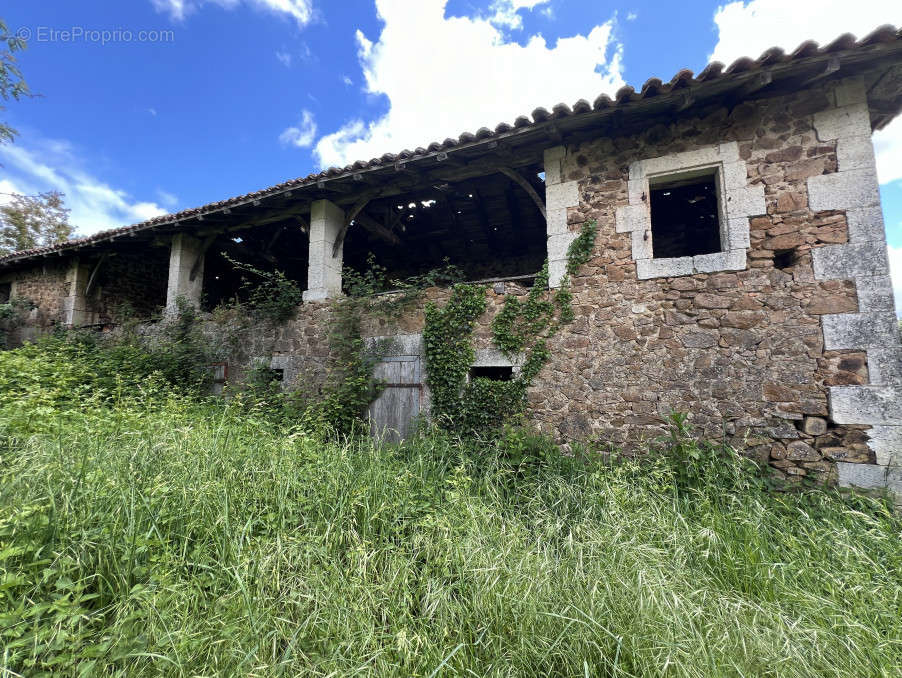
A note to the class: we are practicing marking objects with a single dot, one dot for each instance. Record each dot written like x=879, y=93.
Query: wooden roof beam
x=518, y=178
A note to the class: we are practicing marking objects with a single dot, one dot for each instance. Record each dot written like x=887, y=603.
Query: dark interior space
x=685, y=219
x=282, y=247
x=784, y=259
x=495, y=373
x=5, y=290
x=488, y=227
x=128, y=282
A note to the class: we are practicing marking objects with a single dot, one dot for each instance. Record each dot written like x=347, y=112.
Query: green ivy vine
x=519, y=329
x=351, y=386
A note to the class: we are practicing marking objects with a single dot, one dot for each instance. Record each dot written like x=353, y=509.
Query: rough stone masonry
x=782, y=340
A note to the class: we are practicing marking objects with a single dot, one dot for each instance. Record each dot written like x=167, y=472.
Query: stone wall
x=743, y=351
x=45, y=285
x=784, y=344
x=130, y=284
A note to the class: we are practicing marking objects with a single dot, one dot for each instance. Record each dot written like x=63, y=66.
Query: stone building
x=739, y=273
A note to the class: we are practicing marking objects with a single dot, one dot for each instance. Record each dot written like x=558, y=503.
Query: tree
x=28, y=221
x=12, y=85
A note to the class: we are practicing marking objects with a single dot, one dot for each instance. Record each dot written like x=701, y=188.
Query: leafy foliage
x=12, y=315
x=12, y=84
x=271, y=295
x=28, y=221
x=520, y=328
x=153, y=533
x=449, y=349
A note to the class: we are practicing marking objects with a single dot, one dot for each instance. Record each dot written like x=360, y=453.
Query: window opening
x=685, y=215
x=495, y=373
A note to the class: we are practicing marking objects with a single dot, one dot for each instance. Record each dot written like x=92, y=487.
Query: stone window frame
x=494, y=357
x=737, y=202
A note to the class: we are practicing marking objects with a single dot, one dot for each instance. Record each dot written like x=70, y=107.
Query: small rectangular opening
x=784, y=259
x=685, y=214
x=5, y=291
x=277, y=374
x=495, y=373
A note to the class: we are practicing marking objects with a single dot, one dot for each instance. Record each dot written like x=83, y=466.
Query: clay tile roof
x=540, y=114
x=741, y=65
x=602, y=101
x=625, y=96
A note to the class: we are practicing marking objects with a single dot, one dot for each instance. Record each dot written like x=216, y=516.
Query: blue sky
x=222, y=97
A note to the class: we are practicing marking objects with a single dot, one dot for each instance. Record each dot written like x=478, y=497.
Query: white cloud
x=152, y=111
x=167, y=198
x=300, y=10
x=507, y=12
x=284, y=58
x=888, y=147
x=302, y=135
x=53, y=165
x=7, y=188
x=895, y=269
x=748, y=29
x=448, y=89
x=346, y=80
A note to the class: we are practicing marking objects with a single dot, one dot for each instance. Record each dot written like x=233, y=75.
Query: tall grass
x=166, y=536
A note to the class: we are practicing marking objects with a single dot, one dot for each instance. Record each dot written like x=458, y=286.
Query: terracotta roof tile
x=624, y=96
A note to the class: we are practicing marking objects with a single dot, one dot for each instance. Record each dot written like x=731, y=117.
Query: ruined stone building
x=739, y=272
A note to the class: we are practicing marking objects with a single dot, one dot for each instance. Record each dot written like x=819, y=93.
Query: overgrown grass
x=151, y=533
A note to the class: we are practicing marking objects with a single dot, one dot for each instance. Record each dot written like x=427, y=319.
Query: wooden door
x=393, y=412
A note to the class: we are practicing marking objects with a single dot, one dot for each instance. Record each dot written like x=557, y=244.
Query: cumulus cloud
x=303, y=134
x=300, y=10
x=466, y=75
x=53, y=165
x=507, y=12
x=749, y=28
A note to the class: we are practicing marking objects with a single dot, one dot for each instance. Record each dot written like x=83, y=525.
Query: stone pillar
x=182, y=257
x=559, y=195
x=324, y=270
x=75, y=305
x=854, y=189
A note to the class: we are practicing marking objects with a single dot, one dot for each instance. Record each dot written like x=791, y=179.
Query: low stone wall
x=46, y=287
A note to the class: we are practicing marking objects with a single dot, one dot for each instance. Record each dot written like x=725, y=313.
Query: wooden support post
x=90, y=286
x=515, y=176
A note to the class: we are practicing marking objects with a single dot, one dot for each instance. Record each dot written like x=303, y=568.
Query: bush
x=271, y=295
x=12, y=315
x=156, y=533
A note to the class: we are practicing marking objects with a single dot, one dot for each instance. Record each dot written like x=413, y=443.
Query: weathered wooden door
x=393, y=412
